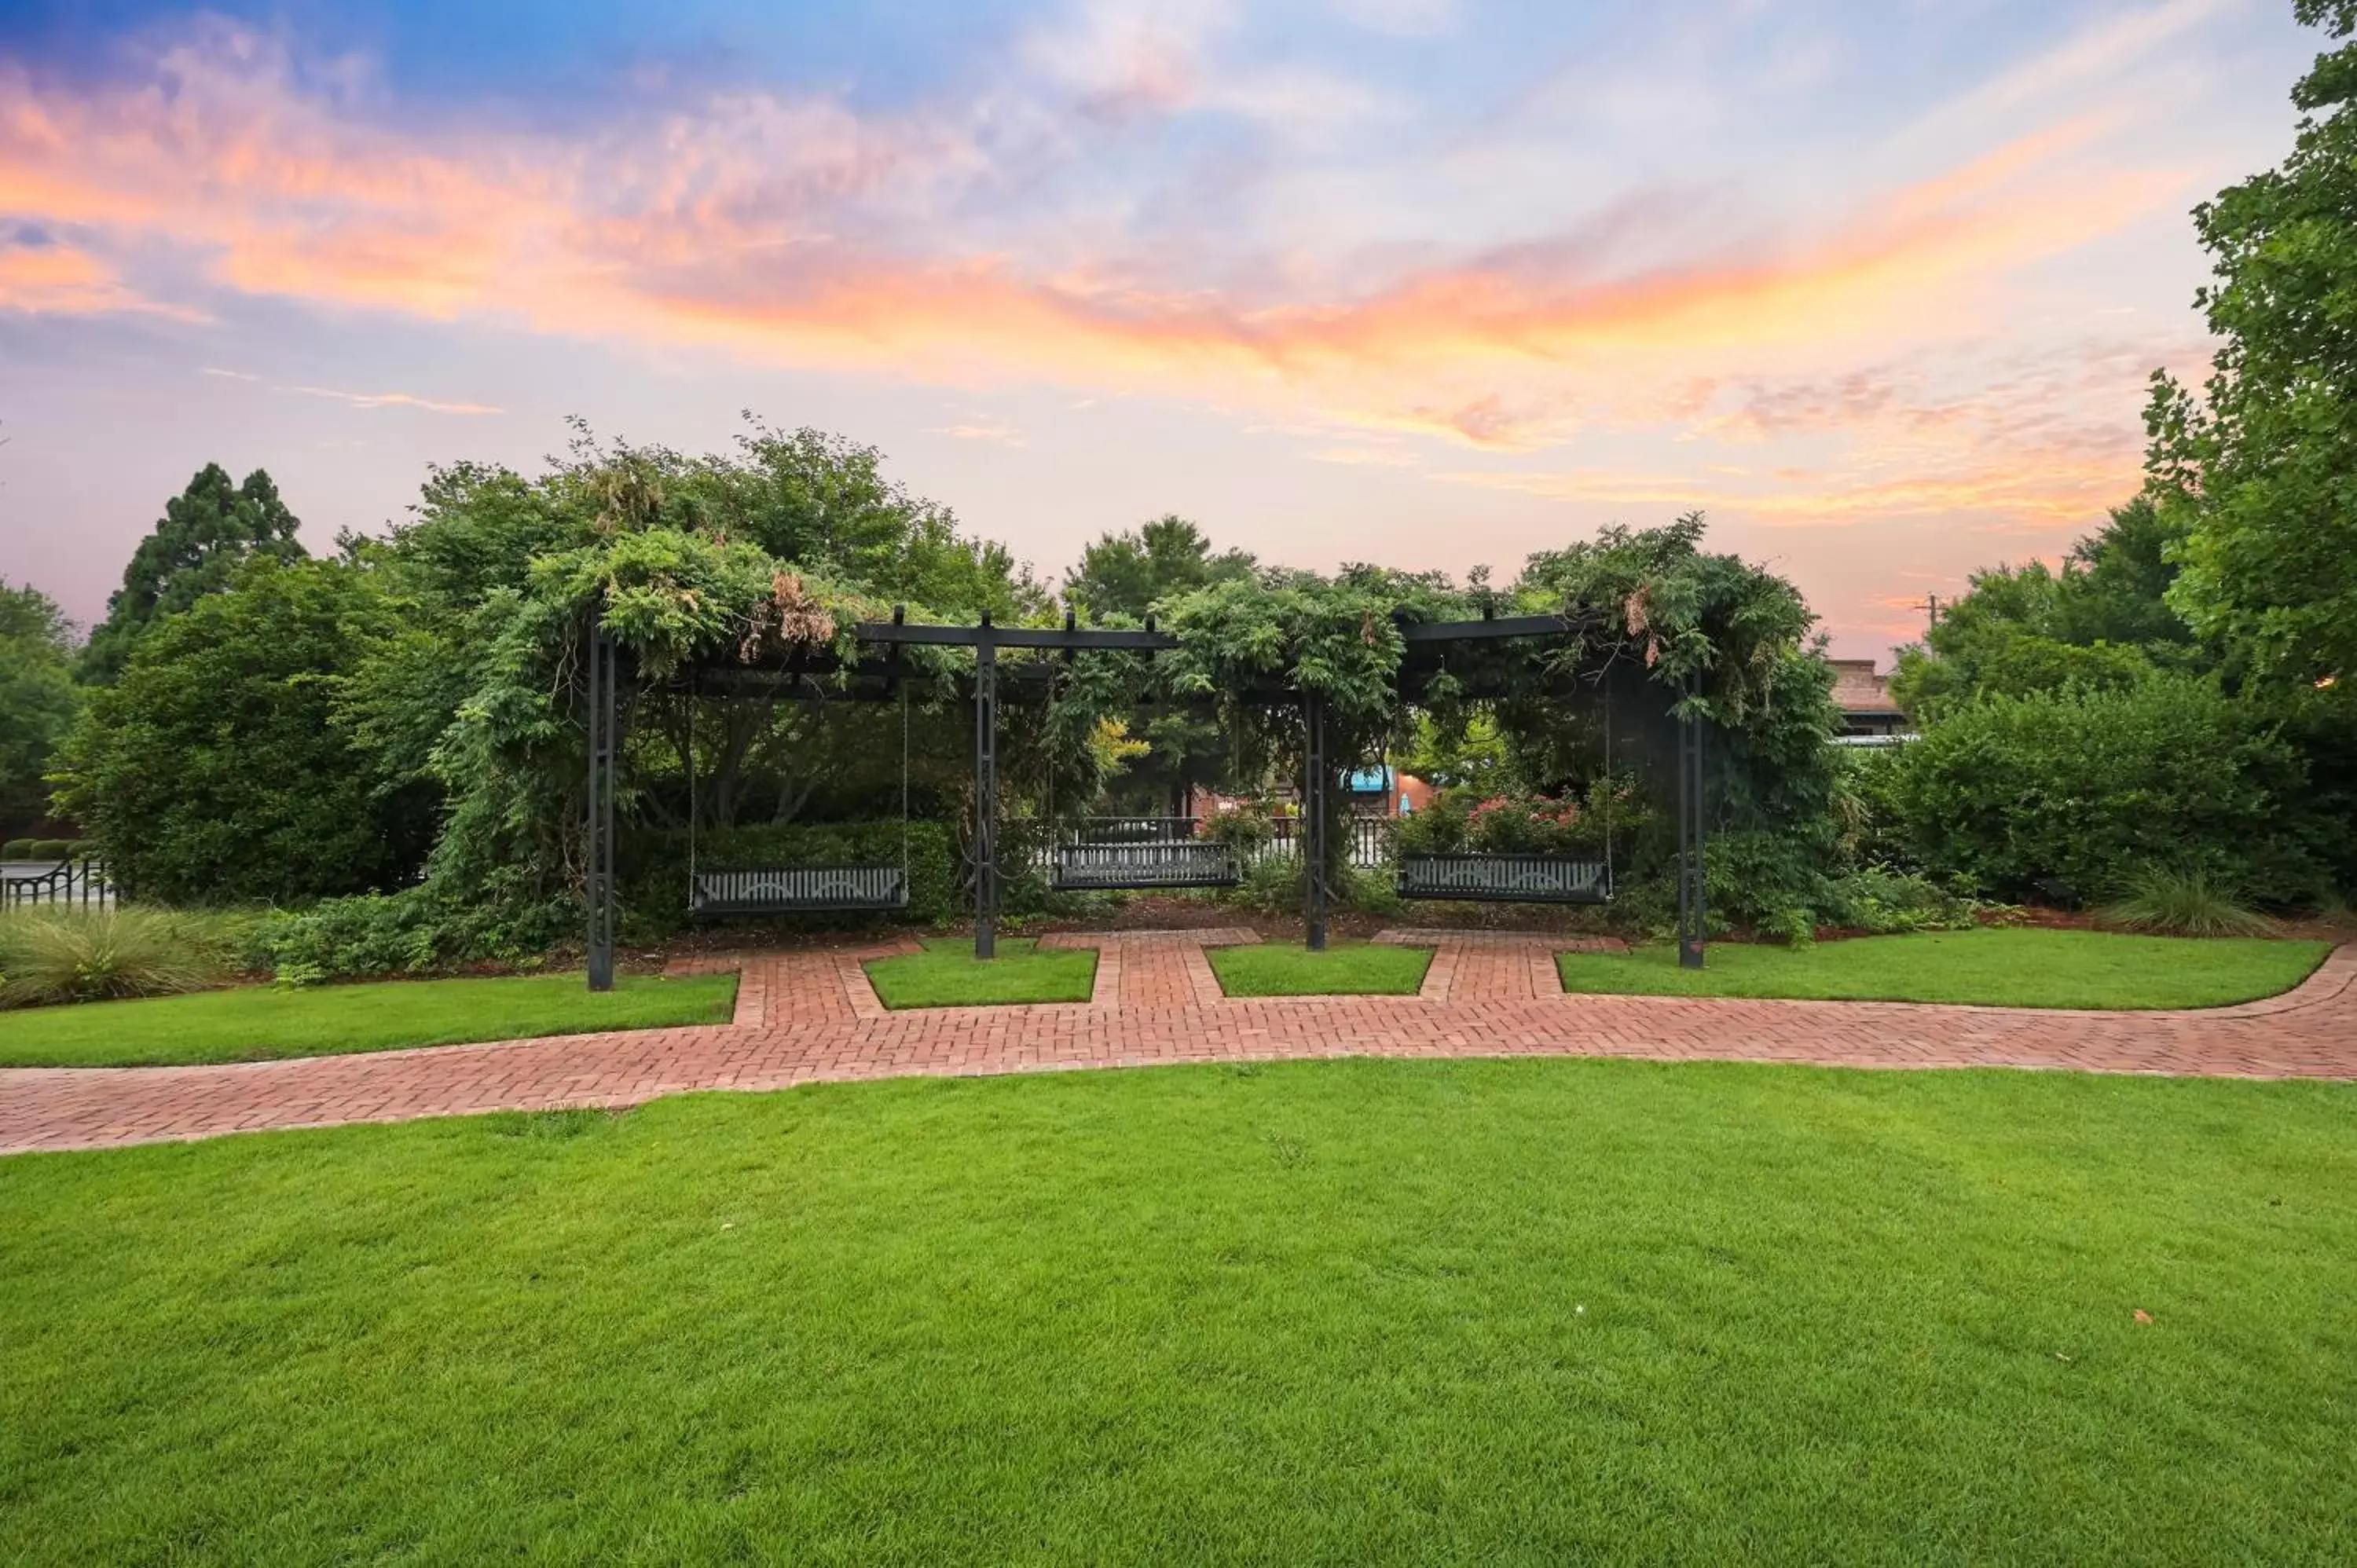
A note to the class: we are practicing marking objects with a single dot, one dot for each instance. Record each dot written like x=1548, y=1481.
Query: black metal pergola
x=1427, y=644
x=986, y=639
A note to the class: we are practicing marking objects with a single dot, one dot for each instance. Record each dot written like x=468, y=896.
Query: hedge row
x=2065, y=796
x=45, y=848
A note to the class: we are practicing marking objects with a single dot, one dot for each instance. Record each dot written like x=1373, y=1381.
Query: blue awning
x=1370, y=781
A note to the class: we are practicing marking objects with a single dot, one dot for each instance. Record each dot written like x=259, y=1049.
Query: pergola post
x=602, y=746
x=1316, y=791
x=1692, y=903
x=985, y=790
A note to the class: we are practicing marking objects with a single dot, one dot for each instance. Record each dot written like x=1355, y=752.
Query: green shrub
x=413, y=931
x=216, y=771
x=417, y=929
x=1531, y=825
x=1777, y=885
x=1370, y=891
x=1439, y=828
x=16, y=849
x=1882, y=902
x=1248, y=831
x=52, y=849
x=368, y=934
x=2181, y=903
x=1272, y=886
x=91, y=955
x=1774, y=883
x=2086, y=789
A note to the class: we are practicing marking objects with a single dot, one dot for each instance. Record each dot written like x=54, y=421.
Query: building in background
x=1868, y=715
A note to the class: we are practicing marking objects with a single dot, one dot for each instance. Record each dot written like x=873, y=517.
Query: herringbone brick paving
x=810, y=1016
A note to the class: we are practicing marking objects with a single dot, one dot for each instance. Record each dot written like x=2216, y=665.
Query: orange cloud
x=680, y=235
x=2063, y=481
x=56, y=280
x=800, y=232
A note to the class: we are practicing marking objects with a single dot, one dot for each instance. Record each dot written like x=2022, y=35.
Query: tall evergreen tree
x=207, y=532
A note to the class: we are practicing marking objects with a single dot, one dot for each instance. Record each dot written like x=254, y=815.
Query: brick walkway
x=810, y=1016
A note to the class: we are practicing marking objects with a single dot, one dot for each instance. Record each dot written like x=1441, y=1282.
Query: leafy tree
x=206, y=534
x=2254, y=473
x=1737, y=639
x=1125, y=574
x=2103, y=621
x=1479, y=759
x=2115, y=587
x=1120, y=577
x=212, y=770
x=38, y=699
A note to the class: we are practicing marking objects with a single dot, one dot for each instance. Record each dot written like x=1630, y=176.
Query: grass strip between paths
x=947, y=975
x=2003, y=966
x=1344, y=969
x=264, y=1022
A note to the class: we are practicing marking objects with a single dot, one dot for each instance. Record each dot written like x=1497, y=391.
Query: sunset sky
x=1429, y=282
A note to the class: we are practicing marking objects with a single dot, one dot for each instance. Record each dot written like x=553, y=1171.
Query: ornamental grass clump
x=2184, y=904
x=96, y=955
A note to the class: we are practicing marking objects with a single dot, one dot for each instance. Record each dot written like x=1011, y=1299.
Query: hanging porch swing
x=796, y=888
x=1487, y=877
x=1106, y=854
x=1142, y=853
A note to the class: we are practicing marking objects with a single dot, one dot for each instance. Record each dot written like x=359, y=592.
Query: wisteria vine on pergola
x=773, y=557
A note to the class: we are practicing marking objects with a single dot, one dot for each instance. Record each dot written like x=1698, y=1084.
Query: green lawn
x=1344, y=969
x=259, y=1022
x=947, y=975
x=1354, y=1312
x=2009, y=966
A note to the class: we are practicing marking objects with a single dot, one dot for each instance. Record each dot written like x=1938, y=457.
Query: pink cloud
x=689, y=229
x=918, y=244
x=58, y=280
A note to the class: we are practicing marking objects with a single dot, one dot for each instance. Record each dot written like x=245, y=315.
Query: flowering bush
x=1459, y=819
x=1538, y=824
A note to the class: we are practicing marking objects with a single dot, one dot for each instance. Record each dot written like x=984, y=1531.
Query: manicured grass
x=1344, y=969
x=947, y=975
x=1526, y=1311
x=2016, y=966
x=260, y=1023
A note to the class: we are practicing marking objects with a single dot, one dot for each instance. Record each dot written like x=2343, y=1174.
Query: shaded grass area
x=947, y=975
x=1344, y=969
x=1996, y=967
x=1343, y=1311
x=262, y=1023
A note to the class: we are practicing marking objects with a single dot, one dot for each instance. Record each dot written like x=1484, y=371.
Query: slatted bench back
x=1505, y=878
x=1199, y=862
x=786, y=889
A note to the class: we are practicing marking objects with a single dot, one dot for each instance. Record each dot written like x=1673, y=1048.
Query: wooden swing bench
x=1145, y=865
x=1506, y=878
x=797, y=889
